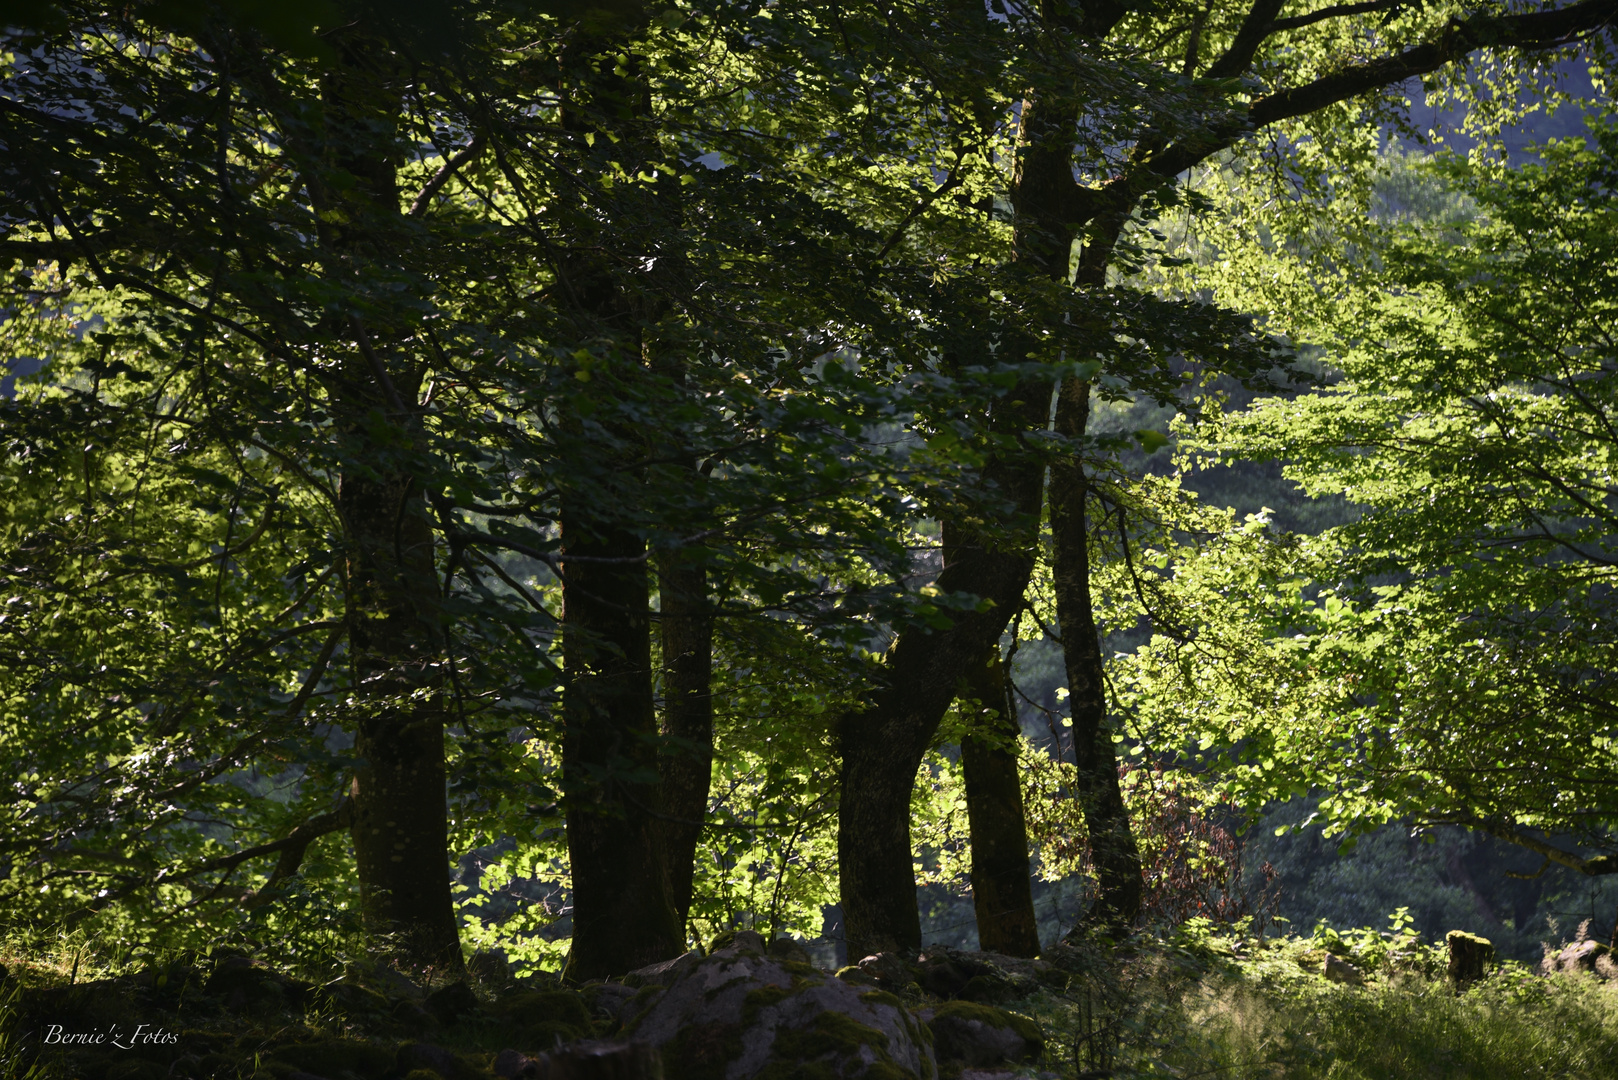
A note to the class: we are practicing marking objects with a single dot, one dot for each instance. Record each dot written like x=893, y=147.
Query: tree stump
x=1469, y=956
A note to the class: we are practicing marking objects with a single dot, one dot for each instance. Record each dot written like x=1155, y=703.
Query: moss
x=833, y=1033
x=556, y=1007
x=853, y=974
x=798, y=967
x=762, y=998
x=997, y=1018
x=337, y=1055
x=702, y=1052
x=422, y=1074
x=887, y=1070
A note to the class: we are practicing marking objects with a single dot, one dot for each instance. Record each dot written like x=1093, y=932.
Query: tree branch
x=1593, y=867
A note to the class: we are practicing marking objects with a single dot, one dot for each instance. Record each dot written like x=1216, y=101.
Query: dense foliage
x=621, y=448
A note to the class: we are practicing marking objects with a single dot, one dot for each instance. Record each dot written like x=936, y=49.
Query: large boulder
x=741, y=1013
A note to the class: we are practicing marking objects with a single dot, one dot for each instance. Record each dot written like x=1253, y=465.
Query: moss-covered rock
x=741, y=1014
x=330, y=1057
x=972, y=1034
x=559, y=1008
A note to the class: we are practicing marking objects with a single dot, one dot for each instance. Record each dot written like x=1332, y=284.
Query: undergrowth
x=1203, y=1004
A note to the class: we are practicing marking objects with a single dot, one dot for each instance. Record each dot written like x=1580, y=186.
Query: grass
x=1206, y=1008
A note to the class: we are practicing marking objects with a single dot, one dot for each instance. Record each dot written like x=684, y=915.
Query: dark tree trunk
x=623, y=914
x=1001, y=895
x=400, y=831
x=1112, y=841
x=882, y=746
x=685, y=762
x=400, y=820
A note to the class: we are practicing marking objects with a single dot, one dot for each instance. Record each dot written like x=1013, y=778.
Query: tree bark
x=624, y=915
x=400, y=816
x=1112, y=841
x=685, y=760
x=1001, y=895
x=882, y=745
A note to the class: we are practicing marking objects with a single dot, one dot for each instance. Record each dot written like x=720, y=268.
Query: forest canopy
x=575, y=479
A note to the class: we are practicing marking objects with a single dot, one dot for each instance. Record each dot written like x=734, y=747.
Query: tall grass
x=1266, y=1014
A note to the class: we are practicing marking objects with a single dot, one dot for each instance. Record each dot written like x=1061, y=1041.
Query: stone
x=1470, y=956
x=602, y=1061
x=449, y=1003
x=334, y=1057
x=1581, y=956
x=740, y=1013
x=607, y=1001
x=975, y=1035
x=1338, y=970
x=515, y=1065
x=666, y=972
x=436, y=1059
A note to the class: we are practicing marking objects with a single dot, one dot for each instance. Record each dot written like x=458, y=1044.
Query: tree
x=1091, y=167
x=1445, y=657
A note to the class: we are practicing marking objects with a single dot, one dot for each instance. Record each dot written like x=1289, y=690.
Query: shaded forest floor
x=1200, y=1004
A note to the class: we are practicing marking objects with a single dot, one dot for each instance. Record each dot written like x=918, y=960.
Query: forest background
x=574, y=480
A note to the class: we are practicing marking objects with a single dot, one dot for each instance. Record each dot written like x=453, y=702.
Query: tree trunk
x=400, y=830
x=623, y=914
x=1112, y=841
x=685, y=762
x=400, y=823
x=882, y=746
x=1001, y=895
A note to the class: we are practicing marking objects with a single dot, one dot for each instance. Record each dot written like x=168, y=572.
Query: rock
x=1469, y=956
x=669, y=970
x=974, y=1034
x=515, y=1065
x=887, y=970
x=740, y=1013
x=449, y=1003
x=1338, y=970
x=334, y=1057
x=413, y=1057
x=608, y=1000
x=602, y=1061
x=1582, y=956
x=549, y=1016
